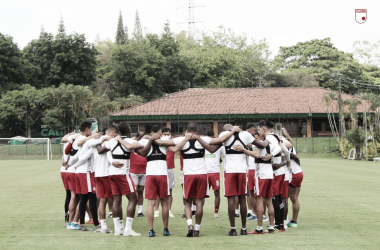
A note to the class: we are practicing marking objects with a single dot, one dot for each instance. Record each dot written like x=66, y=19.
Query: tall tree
x=120, y=33
x=126, y=32
x=61, y=27
x=11, y=67
x=137, y=31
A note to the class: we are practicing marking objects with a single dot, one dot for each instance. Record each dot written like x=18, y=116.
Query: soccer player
x=295, y=182
x=85, y=185
x=120, y=178
x=251, y=201
x=213, y=161
x=138, y=174
x=156, y=184
x=166, y=133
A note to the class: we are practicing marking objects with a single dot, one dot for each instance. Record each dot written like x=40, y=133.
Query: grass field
x=340, y=209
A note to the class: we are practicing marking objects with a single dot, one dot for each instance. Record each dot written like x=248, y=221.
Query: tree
x=369, y=55
x=61, y=27
x=11, y=68
x=120, y=33
x=126, y=33
x=321, y=59
x=64, y=58
x=137, y=31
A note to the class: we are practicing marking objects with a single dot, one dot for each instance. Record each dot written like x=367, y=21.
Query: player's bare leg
x=243, y=210
x=198, y=216
x=165, y=215
x=188, y=214
x=293, y=194
x=216, y=203
x=110, y=208
x=157, y=207
x=236, y=206
x=131, y=208
x=150, y=213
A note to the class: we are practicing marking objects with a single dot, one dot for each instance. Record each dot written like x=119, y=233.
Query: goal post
x=22, y=146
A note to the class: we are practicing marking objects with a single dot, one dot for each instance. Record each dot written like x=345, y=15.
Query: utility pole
x=191, y=22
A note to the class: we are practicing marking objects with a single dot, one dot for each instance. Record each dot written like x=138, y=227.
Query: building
x=302, y=111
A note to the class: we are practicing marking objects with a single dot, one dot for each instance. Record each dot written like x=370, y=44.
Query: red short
x=264, y=187
x=122, y=184
x=278, y=181
x=72, y=180
x=93, y=183
x=103, y=187
x=156, y=185
x=195, y=186
x=251, y=179
x=65, y=181
x=213, y=180
x=235, y=184
x=285, y=189
x=83, y=185
x=296, y=180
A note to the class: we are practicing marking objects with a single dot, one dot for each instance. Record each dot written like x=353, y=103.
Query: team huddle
x=261, y=171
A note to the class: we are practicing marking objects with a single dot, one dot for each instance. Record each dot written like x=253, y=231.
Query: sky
x=280, y=22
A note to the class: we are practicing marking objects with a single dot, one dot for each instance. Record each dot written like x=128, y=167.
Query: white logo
x=217, y=183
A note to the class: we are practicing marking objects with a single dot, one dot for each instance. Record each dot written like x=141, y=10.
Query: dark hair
x=111, y=128
x=139, y=135
x=257, y=133
x=192, y=127
x=164, y=130
x=250, y=125
x=84, y=125
x=265, y=123
x=124, y=128
x=210, y=133
x=156, y=128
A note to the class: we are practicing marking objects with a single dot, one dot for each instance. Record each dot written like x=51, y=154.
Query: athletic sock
x=197, y=227
x=189, y=222
x=121, y=225
x=233, y=229
x=216, y=209
x=128, y=223
x=243, y=228
x=103, y=224
x=139, y=209
x=236, y=211
x=116, y=223
x=193, y=207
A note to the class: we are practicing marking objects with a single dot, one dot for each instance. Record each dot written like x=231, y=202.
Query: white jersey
x=64, y=157
x=276, y=159
x=155, y=167
x=236, y=163
x=101, y=163
x=111, y=145
x=85, y=155
x=71, y=169
x=82, y=168
x=212, y=160
x=195, y=165
x=264, y=170
x=293, y=165
x=251, y=160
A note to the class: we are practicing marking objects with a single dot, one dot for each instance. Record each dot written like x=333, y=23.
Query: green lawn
x=340, y=209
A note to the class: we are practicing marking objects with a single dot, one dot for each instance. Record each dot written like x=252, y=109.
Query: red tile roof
x=238, y=101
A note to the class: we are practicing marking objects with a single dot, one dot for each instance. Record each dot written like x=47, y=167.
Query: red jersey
x=170, y=159
x=137, y=164
x=181, y=161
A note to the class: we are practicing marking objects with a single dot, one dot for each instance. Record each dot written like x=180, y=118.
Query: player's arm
x=208, y=147
x=96, y=142
x=295, y=158
x=254, y=153
x=129, y=146
x=223, y=138
x=284, y=162
x=276, y=150
x=166, y=143
x=66, y=137
x=260, y=144
x=81, y=142
x=145, y=150
x=73, y=159
x=114, y=163
x=83, y=158
x=180, y=145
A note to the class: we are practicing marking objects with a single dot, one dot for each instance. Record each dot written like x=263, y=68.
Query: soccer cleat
x=110, y=215
x=269, y=231
x=183, y=216
x=140, y=215
x=265, y=218
x=105, y=231
x=84, y=228
x=171, y=214
x=249, y=214
x=237, y=215
x=243, y=232
x=292, y=224
x=152, y=233
x=252, y=217
x=97, y=228
x=232, y=233
x=196, y=233
x=190, y=231
x=68, y=226
x=166, y=232
x=256, y=232
x=119, y=232
x=156, y=214
x=75, y=226
x=216, y=215
x=192, y=213
x=131, y=233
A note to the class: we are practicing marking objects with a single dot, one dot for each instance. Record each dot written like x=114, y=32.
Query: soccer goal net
x=22, y=146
